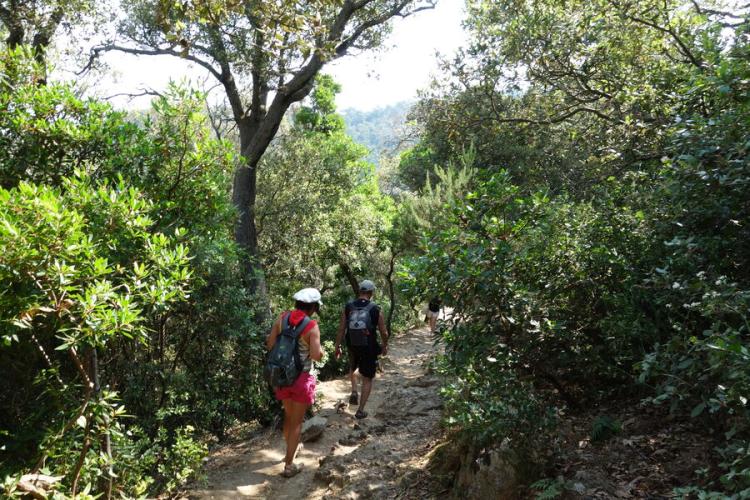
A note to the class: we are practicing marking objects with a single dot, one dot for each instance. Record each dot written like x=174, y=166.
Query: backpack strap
x=369, y=307
x=297, y=330
x=295, y=333
x=301, y=326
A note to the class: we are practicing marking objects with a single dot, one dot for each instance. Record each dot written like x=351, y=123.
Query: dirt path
x=374, y=457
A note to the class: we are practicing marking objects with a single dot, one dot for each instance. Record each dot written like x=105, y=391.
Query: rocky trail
x=382, y=456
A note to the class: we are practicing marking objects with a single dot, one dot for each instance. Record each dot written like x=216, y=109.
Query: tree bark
x=244, y=194
x=256, y=134
x=15, y=36
x=41, y=38
x=350, y=276
x=105, y=481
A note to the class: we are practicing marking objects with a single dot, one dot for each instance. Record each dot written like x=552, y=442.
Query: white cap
x=308, y=296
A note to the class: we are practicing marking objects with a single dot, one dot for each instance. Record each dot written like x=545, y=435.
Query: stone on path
x=313, y=428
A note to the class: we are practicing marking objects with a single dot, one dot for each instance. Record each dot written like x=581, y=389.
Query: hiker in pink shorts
x=298, y=397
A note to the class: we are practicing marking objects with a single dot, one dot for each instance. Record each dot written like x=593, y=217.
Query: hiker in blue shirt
x=359, y=321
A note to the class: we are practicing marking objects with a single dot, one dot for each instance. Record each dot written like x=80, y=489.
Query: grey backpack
x=283, y=364
x=359, y=325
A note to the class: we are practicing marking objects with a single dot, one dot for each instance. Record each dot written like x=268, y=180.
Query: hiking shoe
x=291, y=470
x=360, y=415
x=354, y=398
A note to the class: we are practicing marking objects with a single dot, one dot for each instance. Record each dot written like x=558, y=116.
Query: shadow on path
x=352, y=459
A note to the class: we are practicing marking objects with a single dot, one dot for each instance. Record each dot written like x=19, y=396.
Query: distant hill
x=381, y=130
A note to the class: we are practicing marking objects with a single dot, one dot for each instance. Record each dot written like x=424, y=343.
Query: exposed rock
x=349, y=441
x=313, y=428
x=353, y=439
x=494, y=477
x=379, y=429
x=37, y=484
x=425, y=381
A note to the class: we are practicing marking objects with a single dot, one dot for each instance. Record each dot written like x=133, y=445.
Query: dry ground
x=377, y=457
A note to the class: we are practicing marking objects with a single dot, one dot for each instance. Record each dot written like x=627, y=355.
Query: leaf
x=698, y=410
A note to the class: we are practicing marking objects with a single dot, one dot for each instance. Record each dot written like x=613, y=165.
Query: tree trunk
x=255, y=137
x=350, y=276
x=16, y=34
x=246, y=235
x=39, y=45
x=105, y=481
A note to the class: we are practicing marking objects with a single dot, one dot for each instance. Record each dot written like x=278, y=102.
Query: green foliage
x=471, y=261
x=548, y=488
x=601, y=249
x=219, y=379
x=120, y=221
x=604, y=427
x=46, y=126
x=321, y=115
x=81, y=273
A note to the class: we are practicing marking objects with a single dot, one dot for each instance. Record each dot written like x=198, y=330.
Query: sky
x=369, y=80
x=374, y=80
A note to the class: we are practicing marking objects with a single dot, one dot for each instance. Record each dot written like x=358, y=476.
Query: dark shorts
x=365, y=359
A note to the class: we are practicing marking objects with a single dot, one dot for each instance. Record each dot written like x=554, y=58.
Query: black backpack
x=284, y=364
x=359, y=325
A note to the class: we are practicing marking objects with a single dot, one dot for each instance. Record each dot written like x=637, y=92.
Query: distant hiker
x=359, y=321
x=432, y=313
x=294, y=343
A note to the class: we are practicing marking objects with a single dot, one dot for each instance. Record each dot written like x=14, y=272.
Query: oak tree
x=35, y=23
x=265, y=56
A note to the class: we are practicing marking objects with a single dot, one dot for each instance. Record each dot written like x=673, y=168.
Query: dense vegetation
x=599, y=249
x=118, y=264
x=128, y=337
x=577, y=196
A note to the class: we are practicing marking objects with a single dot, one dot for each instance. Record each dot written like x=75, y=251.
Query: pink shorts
x=301, y=391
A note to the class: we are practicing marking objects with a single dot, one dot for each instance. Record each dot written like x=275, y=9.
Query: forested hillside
x=576, y=193
x=381, y=130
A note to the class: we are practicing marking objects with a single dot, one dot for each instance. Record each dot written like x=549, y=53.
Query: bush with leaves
x=630, y=275
x=469, y=261
x=194, y=364
x=81, y=271
x=701, y=285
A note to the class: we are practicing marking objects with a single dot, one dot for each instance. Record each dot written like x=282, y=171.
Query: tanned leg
x=286, y=403
x=295, y=416
x=366, y=388
x=353, y=378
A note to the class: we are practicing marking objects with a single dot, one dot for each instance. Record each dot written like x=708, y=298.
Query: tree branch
x=96, y=51
x=395, y=11
x=680, y=43
x=720, y=13
x=142, y=93
x=225, y=76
